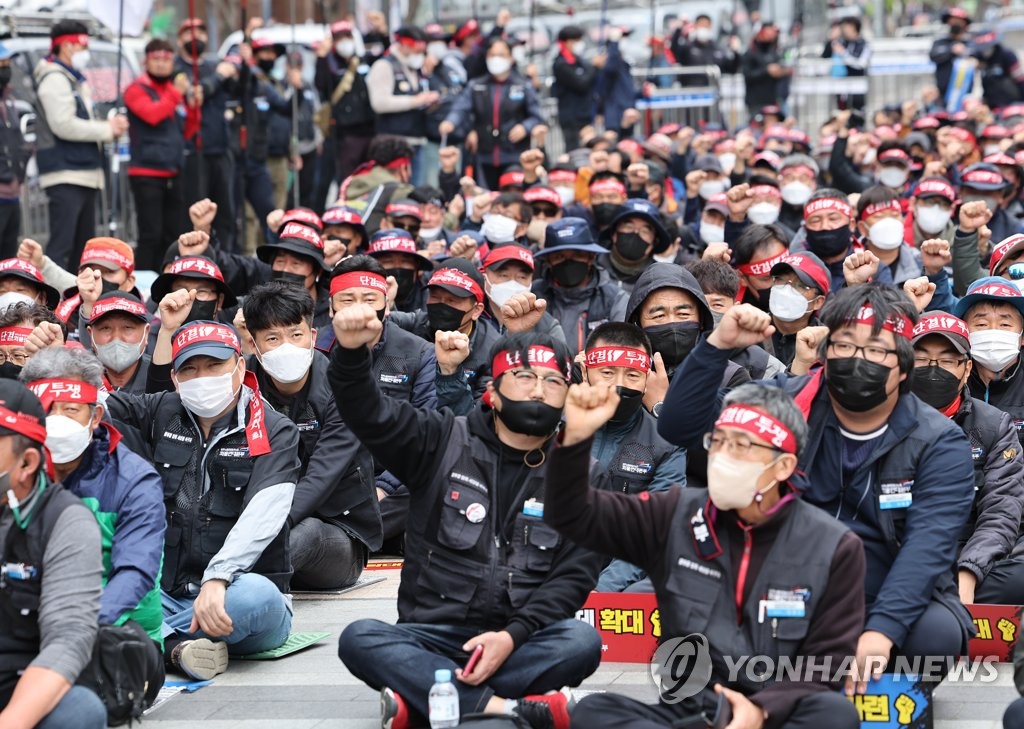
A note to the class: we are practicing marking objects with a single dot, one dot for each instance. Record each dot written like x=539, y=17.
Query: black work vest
x=19, y=598
x=54, y=154
x=699, y=590
x=397, y=363
x=412, y=123
x=159, y=147
x=636, y=461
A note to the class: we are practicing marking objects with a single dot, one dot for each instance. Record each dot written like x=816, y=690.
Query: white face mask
x=429, y=234
x=578, y=47
x=796, y=193
x=702, y=34
x=894, y=177
x=732, y=484
x=709, y=189
x=80, y=60
x=208, y=397
x=710, y=233
x=415, y=61
x=763, y=213
x=66, y=439
x=568, y=195
x=728, y=161
x=887, y=233
x=12, y=298
x=345, y=48
x=786, y=303
x=870, y=156
x=499, y=228
x=498, y=65
x=995, y=349
x=501, y=293
x=932, y=219
x=288, y=363
x=118, y=356
x=437, y=49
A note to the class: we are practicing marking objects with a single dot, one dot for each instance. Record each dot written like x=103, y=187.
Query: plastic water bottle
x=443, y=701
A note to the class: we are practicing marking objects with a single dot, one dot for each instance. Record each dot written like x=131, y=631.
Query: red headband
x=456, y=278
x=758, y=424
x=561, y=176
x=398, y=163
x=761, y=268
x=255, y=430
x=14, y=335
x=80, y=38
x=537, y=357
x=881, y=207
x=67, y=307
x=408, y=42
x=63, y=390
x=609, y=184
x=511, y=178
x=827, y=203
x=898, y=324
x=116, y=303
x=765, y=190
x=359, y=280
x=23, y=424
x=635, y=359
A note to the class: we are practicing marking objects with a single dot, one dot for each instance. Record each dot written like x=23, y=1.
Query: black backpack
x=126, y=671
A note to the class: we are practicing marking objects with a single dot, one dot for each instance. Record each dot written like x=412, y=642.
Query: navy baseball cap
x=569, y=234
x=990, y=288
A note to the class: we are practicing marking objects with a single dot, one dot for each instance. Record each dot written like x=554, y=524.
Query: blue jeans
x=260, y=614
x=619, y=575
x=404, y=657
x=79, y=708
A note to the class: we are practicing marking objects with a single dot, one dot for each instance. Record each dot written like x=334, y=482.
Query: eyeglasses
x=413, y=228
x=798, y=285
x=18, y=358
x=870, y=353
x=545, y=211
x=527, y=380
x=946, y=361
x=735, y=446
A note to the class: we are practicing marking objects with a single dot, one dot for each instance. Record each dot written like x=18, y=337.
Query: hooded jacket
x=582, y=309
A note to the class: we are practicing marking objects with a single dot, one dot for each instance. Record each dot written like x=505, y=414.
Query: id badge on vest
x=784, y=604
x=896, y=495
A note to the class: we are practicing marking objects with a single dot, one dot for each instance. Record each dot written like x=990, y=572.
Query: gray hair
x=62, y=362
x=777, y=403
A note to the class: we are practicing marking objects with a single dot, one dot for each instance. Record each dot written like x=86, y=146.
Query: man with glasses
x=690, y=541
x=993, y=310
x=482, y=568
x=989, y=566
x=894, y=470
x=405, y=215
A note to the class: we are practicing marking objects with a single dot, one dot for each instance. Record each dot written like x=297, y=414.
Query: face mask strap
x=12, y=501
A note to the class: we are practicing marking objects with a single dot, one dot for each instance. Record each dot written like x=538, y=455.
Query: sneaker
x=548, y=711
x=202, y=659
x=394, y=712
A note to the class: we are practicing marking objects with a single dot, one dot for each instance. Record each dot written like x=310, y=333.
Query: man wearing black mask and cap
x=947, y=49
x=578, y=293
x=635, y=235
x=475, y=513
x=12, y=164
x=213, y=295
x=628, y=445
x=396, y=251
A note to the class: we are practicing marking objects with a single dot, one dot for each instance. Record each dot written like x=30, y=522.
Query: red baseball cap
x=808, y=268
x=511, y=252
x=946, y=325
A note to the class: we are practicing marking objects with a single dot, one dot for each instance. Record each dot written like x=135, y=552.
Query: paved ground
x=313, y=689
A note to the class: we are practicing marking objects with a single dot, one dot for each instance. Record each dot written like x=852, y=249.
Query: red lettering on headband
x=107, y=306
x=898, y=324
x=881, y=207
x=537, y=358
x=765, y=190
x=14, y=335
x=609, y=184
x=359, y=280
x=635, y=359
x=758, y=424
x=62, y=390
x=208, y=333
x=761, y=268
x=827, y=203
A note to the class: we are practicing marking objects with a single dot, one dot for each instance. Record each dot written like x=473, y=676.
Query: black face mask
x=673, y=341
x=604, y=213
x=108, y=286
x=856, y=384
x=266, y=65
x=570, y=274
x=630, y=402
x=630, y=246
x=936, y=386
x=381, y=313
x=195, y=48
x=829, y=243
x=5, y=76
x=9, y=371
x=760, y=298
x=406, y=279
x=529, y=417
x=202, y=311
x=160, y=79
x=292, y=279
x=444, y=318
